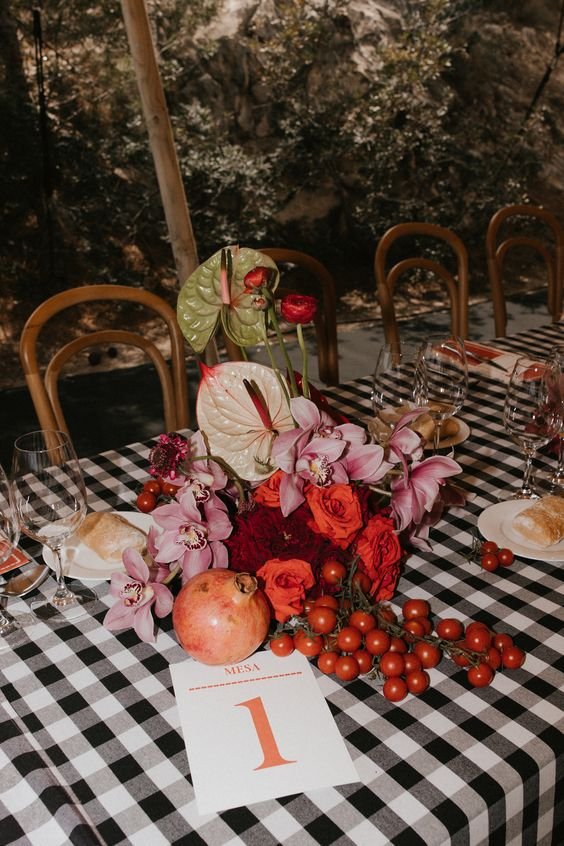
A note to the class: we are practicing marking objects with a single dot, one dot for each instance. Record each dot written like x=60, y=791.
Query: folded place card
x=257, y=730
x=489, y=361
x=16, y=558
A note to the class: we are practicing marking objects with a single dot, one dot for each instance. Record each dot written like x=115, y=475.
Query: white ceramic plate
x=462, y=434
x=495, y=524
x=80, y=562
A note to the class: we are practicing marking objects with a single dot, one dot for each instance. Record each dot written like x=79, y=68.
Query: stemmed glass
x=9, y=535
x=553, y=481
x=392, y=387
x=441, y=379
x=50, y=503
x=531, y=418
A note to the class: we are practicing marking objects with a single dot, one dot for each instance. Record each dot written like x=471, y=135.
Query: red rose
x=336, y=512
x=285, y=585
x=380, y=553
x=258, y=277
x=298, y=308
x=268, y=492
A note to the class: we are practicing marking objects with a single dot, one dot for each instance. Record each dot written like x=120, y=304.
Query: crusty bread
x=425, y=425
x=109, y=534
x=543, y=522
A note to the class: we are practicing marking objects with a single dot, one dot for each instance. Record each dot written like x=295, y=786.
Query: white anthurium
x=241, y=408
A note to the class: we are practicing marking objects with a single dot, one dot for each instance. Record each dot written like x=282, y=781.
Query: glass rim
x=63, y=437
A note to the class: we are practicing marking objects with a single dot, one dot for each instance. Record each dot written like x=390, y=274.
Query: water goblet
x=50, y=503
x=530, y=417
x=552, y=481
x=392, y=387
x=441, y=379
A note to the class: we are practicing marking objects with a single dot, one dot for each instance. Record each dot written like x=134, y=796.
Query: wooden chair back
x=43, y=386
x=326, y=317
x=499, y=243
x=387, y=277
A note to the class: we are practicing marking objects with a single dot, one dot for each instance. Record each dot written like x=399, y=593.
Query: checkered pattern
x=92, y=750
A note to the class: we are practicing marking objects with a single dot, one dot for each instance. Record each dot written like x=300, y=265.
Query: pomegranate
x=220, y=616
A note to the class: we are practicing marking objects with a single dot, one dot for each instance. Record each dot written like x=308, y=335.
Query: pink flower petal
x=135, y=565
x=144, y=624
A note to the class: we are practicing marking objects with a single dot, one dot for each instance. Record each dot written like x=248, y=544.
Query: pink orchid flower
x=136, y=596
x=191, y=540
x=414, y=496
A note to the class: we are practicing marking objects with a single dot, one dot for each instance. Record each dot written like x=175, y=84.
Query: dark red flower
x=258, y=277
x=298, y=308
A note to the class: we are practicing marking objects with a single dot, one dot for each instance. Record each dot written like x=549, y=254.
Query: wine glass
x=392, y=387
x=529, y=416
x=552, y=481
x=9, y=535
x=441, y=379
x=50, y=502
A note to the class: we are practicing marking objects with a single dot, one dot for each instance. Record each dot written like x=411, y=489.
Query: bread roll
x=109, y=534
x=542, y=524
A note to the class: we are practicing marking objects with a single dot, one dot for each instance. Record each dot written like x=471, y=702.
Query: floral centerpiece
x=274, y=483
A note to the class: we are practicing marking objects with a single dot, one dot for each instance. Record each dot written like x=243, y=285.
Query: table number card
x=17, y=558
x=257, y=730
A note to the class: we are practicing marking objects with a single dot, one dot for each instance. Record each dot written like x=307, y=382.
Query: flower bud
x=258, y=277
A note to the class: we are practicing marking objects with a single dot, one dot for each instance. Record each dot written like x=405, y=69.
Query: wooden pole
x=160, y=137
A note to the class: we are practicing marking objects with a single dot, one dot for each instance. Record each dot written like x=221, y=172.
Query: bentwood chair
x=43, y=384
x=529, y=228
x=318, y=282
x=414, y=258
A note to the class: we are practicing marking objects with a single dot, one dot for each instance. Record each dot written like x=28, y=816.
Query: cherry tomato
x=394, y=689
x=364, y=659
x=415, y=608
x=450, y=629
x=333, y=571
x=362, y=620
x=480, y=676
x=322, y=619
x=346, y=668
x=309, y=603
x=377, y=641
x=392, y=664
x=282, y=645
x=169, y=489
x=327, y=601
x=326, y=662
x=505, y=557
x=502, y=641
x=461, y=660
x=493, y=658
x=428, y=654
x=398, y=644
x=412, y=663
x=478, y=640
x=308, y=645
x=388, y=614
x=152, y=486
x=361, y=581
x=417, y=681
x=414, y=627
x=349, y=639
x=426, y=623
x=489, y=547
x=489, y=562
x=146, y=501
x=476, y=624
x=512, y=658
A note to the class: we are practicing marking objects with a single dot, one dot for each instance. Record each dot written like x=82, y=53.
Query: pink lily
x=136, y=596
x=415, y=495
x=190, y=540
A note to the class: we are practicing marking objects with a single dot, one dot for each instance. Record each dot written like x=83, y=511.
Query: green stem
x=282, y=382
x=301, y=341
x=276, y=326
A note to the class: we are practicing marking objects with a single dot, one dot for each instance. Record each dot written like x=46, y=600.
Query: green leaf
x=199, y=307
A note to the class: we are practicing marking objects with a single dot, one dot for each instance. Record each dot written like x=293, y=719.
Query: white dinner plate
x=458, y=438
x=80, y=562
x=496, y=524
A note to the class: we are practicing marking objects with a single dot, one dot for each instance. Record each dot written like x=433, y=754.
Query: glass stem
x=526, y=489
x=62, y=596
x=559, y=475
x=437, y=434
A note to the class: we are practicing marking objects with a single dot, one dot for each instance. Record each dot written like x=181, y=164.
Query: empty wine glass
x=529, y=416
x=441, y=379
x=392, y=387
x=552, y=481
x=9, y=535
x=50, y=503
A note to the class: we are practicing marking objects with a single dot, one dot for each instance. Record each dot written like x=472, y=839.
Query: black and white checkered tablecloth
x=92, y=750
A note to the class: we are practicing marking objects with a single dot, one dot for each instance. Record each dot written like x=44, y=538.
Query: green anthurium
x=200, y=307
